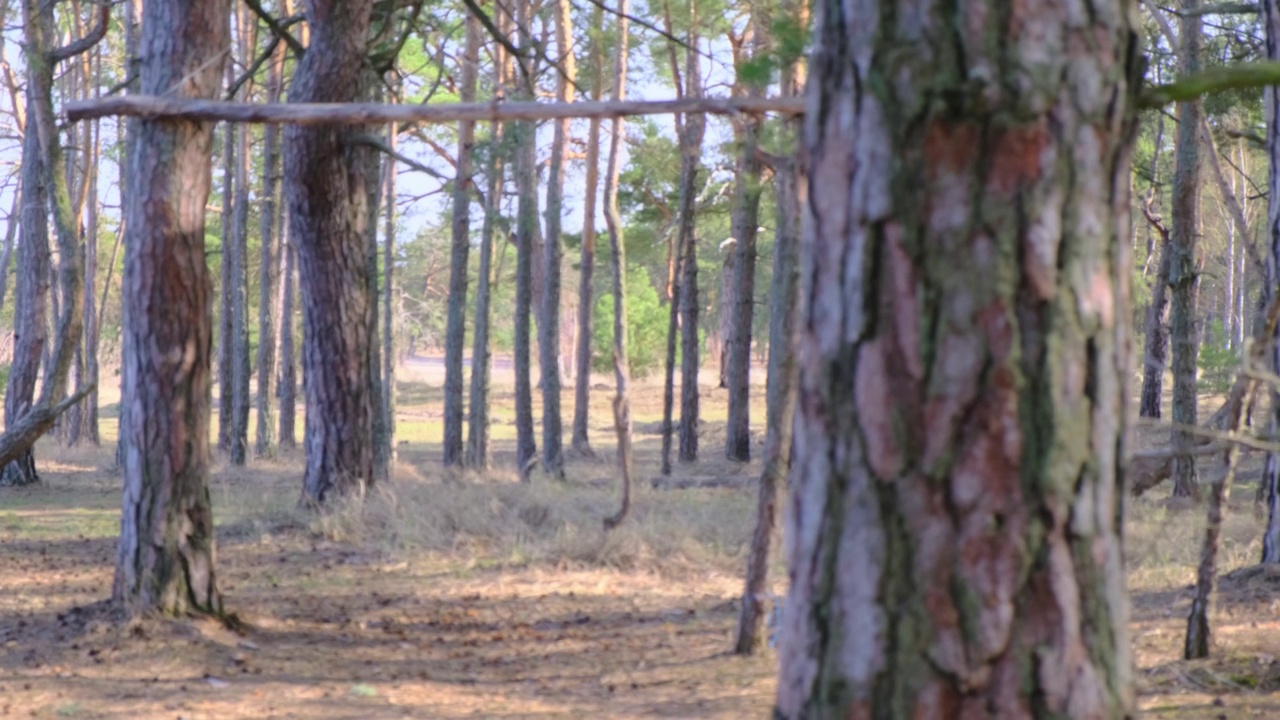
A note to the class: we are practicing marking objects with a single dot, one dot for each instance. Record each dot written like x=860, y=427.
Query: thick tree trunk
x=613, y=219
x=460, y=248
x=586, y=266
x=31, y=307
x=526, y=229
x=166, y=553
x=784, y=317
x=324, y=184
x=1184, y=276
x=955, y=521
x=552, y=252
x=269, y=231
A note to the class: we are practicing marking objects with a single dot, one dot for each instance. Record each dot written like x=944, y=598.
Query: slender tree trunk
x=690, y=165
x=87, y=428
x=745, y=221
x=388, y=309
x=460, y=248
x=128, y=130
x=1271, y=98
x=1184, y=276
x=784, y=317
x=324, y=186
x=526, y=228
x=613, y=219
x=267, y=228
x=10, y=234
x=549, y=321
x=241, y=370
x=955, y=543
x=586, y=265
x=1155, y=349
x=726, y=304
x=166, y=552
x=288, y=365
x=226, y=336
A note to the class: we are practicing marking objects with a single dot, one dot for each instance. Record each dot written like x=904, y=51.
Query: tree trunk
x=586, y=265
x=1155, y=349
x=10, y=234
x=288, y=366
x=1184, y=276
x=226, y=337
x=784, y=317
x=388, y=310
x=690, y=164
x=460, y=248
x=955, y=521
x=31, y=307
x=166, y=553
x=324, y=186
x=478, y=428
x=128, y=129
x=90, y=431
x=241, y=370
x=268, y=228
x=1271, y=98
x=726, y=304
x=621, y=361
x=549, y=320
x=526, y=148
x=745, y=222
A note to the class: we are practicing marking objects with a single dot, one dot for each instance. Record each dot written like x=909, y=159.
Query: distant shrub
x=647, y=320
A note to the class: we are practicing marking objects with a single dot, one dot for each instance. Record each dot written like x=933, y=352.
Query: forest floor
x=466, y=596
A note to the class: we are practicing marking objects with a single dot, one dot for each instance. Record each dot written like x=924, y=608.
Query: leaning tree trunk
x=586, y=265
x=166, y=553
x=268, y=228
x=526, y=228
x=780, y=392
x=460, y=249
x=613, y=219
x=1184, y=278
x=324, y=186
x=955, y=521
x=552, y=252
x=31, y=308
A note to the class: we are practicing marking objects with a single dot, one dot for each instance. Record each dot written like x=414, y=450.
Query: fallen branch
x=32, y=426
x=176, y=108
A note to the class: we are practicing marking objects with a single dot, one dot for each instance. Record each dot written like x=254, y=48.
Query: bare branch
x=99, y=31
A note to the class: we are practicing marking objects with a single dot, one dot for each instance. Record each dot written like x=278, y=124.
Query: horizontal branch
x=150, y=106
x=1232, y=77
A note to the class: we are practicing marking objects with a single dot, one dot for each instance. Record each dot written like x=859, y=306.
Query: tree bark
x=269, y=264
x=324, y=186
x=288, y=365
x=586, y=265
x=552, y=253
x=89, y=430
x=388, y=309
x=460, y=248
x=166, y=552
x=954, y=530
x=1155, y=349
x=226, y=336
x=1184, y=277
x=613, y=219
